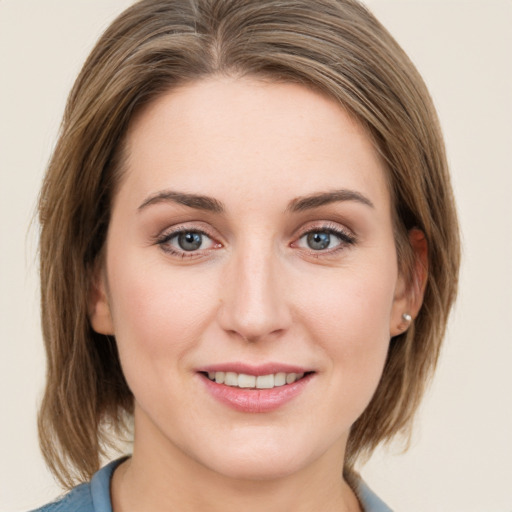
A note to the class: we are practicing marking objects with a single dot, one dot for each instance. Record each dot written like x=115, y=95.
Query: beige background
x=461, y=453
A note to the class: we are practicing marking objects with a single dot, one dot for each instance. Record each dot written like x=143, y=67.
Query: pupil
x=319, y=241
x=190, y=241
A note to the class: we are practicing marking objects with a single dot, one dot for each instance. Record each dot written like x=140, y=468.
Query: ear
x=99, y=307
x=410, y=290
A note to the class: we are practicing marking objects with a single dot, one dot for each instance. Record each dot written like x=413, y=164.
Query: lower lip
x=255, y=400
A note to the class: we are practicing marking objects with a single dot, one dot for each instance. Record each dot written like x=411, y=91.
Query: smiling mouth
x=245, y=381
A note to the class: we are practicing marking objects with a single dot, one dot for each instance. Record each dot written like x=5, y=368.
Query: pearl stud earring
x=407, y=318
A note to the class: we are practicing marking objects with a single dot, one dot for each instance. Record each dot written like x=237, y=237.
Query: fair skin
x=258, y=279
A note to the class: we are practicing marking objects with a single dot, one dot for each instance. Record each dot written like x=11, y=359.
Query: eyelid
x=327, y=226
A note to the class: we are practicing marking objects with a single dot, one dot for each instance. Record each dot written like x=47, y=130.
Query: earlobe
x=409, y=299
x=99, y=307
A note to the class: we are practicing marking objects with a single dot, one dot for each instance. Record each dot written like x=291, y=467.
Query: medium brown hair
x=336, y=47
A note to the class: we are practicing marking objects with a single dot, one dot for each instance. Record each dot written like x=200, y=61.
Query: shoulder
x=369, y=500
x=93, y=496
x=78, y=499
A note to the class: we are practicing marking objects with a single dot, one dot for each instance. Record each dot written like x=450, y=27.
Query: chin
x=269, y=459
x=256, y=469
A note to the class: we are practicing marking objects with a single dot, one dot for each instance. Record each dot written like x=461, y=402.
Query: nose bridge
x=253, y=302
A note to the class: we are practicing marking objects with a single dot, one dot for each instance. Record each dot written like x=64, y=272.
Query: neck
x=163, y=478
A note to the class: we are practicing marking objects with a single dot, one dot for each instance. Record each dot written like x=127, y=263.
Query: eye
x=189, y=241
x=325, y=239
x=186, y=242
x=318, y=241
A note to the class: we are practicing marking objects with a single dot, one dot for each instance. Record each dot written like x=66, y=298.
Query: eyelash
x=346, y=239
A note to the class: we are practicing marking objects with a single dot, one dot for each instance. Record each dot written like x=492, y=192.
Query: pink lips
x=254, y=400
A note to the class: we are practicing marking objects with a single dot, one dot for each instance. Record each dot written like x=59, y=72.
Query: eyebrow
x=301, y=204
x=195, y=201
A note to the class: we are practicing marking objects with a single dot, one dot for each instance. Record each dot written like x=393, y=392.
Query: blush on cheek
x=159, y=314
x=352, y=326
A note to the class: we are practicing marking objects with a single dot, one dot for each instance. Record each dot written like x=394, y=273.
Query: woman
x=249, y=245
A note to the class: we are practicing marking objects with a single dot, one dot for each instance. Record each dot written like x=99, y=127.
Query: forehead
x=227, y=134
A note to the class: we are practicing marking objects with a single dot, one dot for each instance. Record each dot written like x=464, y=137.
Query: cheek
x=152, y=326
x=349, y=316
x=352, y=305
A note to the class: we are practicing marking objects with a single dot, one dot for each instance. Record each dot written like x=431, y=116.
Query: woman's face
x=250, y=245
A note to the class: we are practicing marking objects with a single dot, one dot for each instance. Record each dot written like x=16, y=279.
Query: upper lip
x=256, y=370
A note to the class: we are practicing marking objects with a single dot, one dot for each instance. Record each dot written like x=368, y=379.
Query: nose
x=254, y=304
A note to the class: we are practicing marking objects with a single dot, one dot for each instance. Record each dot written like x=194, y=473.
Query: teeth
x=246, y=381
x=280, y=379
x=242, y=380
x=290, y=377
x=265, y=381
x=231, y=379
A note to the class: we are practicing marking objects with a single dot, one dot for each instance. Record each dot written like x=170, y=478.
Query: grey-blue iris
x=319, y=241
x=190, y=241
